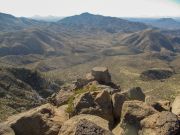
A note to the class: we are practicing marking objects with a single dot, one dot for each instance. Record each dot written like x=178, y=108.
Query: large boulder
x=84, y=124
x=43, y=120
x=103, y=100
x=94, y=103
x=132, y=113
x=83, y=102
x=117, y=101
x=135, y=93
x=100, y=74
x=176, y=106
x=6, y=130
x=161, y=123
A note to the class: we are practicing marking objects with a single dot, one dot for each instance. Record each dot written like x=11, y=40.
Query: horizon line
x=50, y=15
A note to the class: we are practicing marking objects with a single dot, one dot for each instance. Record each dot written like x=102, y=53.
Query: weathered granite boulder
x=135, y=93
x=94, y=103
x=176, y=106
x=117, y=100
x=43, y=120
x=132, y=113
x=103, y=100
x=84, y=124
x=161, y=123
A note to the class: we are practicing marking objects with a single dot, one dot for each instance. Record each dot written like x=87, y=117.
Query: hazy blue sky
x=119, y=8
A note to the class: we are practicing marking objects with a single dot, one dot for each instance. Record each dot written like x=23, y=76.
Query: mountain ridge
x=109, y=24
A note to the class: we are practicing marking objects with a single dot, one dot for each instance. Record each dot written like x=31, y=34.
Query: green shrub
x=89, y=88
x=70, y=107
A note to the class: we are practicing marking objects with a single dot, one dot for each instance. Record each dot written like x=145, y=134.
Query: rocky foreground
x=97, y=106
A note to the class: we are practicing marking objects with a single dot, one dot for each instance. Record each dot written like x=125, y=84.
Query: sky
x=117, y=8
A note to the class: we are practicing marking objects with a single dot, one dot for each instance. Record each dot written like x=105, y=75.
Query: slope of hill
x=21, y=89
x=30, y=41
x=11, y=23
x=166, y=23
x=109, y=24
x=148, y=40
x=162, y=23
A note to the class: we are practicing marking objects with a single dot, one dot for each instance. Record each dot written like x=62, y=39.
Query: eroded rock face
x=161, y=123
x=117, y=100
x=132, y=113
x=176, y=106
x=83, y=101
x=135, y=93
x=94, y=103
x=103, y=100
x=85, y=125
x=43, y=120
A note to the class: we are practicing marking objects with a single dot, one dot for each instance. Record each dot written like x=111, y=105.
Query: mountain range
x=64, y=50
x=162, y=23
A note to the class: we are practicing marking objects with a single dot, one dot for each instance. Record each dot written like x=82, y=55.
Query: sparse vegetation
x=70, y=107
x=66, y=53
x=156, y=74
x=88, y=88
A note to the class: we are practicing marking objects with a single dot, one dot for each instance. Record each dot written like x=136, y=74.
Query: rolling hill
x=12, y=23
x=22, y=89
x=149, y=40
x=162, y=23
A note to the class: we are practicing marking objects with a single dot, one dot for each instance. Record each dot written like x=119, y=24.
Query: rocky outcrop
x=176, y=106
x=132, y=113
x=92, y=108
x=161, y=123
x=85, y=124
x=43, y=120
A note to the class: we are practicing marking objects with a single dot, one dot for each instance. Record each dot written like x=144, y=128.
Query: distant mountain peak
x=90, y=21
x=167, y=19
x=85, y=14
